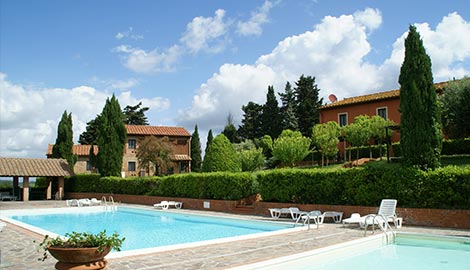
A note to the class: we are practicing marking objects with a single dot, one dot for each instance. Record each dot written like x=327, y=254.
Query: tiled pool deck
x=19, y=252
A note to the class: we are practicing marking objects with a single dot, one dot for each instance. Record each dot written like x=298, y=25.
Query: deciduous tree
x=291, y=147
x=154, y=152
x=326, y=138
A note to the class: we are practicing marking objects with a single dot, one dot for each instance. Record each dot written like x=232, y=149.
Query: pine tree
x=251, y=122
x=196, y=158
x=420, y=129
x=64, y=141
x=289, y=119
x=307, y=104
x=134, y=115
x=230, y=131
x=271, y=117
x=111, y=139
x=90, y=135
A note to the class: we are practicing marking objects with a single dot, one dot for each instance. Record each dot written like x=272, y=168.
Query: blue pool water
x=410, y=253
x=147, y=228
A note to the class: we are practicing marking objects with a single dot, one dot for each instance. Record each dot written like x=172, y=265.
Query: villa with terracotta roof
x=384, y=104
x=179, y=139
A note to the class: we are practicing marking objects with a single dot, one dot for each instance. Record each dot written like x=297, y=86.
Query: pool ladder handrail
x=307, y=215
x=384, y=226
x=112, y=206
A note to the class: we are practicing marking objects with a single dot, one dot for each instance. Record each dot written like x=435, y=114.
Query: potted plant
x=80, y=250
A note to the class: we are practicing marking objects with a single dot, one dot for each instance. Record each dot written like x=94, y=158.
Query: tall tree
x=154, y=152
x=307, y=104
x=221, y=156
x=135, y=115
x=271, y=117
x=251, y=122
x=289, y=119
x=90, y=135
x=111, y=139
x=196, y=158
x=210, y=137
x=64, y=141
x=455, y=110
x=230, y=131
x=420, y=128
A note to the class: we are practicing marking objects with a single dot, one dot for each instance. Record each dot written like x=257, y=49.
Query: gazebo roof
x=34, y=167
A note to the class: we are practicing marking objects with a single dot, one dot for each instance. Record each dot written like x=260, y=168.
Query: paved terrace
x=19, y=252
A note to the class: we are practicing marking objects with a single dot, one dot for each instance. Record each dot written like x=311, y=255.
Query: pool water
x=407, y=254
x=148, y=228
x=410, y=251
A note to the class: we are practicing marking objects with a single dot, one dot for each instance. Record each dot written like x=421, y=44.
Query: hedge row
x=443, y=188
x=449, y=147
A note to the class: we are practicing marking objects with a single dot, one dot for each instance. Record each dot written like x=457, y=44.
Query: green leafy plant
x=81, y=240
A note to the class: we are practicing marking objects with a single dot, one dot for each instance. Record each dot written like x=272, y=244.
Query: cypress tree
x=210, y=137
x=420, y=129
x=64, y=141
x=307, y=104
x=111, y=139
x=289, y=119
x=271, y=117
x=196, y=158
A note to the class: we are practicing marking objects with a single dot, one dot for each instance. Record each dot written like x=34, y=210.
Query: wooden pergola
x=36, y=167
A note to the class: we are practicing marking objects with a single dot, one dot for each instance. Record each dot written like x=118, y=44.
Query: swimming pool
x=410, y=251
x=143, y=228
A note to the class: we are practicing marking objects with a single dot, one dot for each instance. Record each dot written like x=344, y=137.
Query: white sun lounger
x=293, y=212
x=164, y=205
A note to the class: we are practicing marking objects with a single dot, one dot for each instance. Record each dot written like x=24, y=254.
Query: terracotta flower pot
x=79, y=258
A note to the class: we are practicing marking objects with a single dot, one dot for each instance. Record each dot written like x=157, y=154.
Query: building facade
x=179, y=140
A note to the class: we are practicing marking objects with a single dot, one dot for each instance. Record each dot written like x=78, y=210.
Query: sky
x=196, y=62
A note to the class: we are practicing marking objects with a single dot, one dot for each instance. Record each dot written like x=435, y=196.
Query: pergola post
x=16, y=184
x=25, y=188
x=49, y=188
x=61, y=187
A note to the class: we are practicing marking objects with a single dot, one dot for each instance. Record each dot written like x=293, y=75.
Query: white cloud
x=257, y=19
x=142, y=61
x=335, y=53
x=128, y=34
x=370, y=18
x=206, y=33
x=29, y=117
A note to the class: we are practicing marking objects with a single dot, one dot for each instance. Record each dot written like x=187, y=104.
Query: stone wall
x=459, y=219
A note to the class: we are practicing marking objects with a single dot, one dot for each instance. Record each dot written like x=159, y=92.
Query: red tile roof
x=34, y=167
x=157, y=130
x=77, y=149
x=373, y=97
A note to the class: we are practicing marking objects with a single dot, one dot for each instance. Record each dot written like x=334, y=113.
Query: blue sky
x=194, y=62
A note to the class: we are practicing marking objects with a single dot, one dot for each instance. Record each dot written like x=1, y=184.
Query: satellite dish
x=332, y=98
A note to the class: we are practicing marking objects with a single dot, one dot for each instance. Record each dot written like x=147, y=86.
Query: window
x=183, y=167
x=88, y=166
x=342, y=119
x=131, y=166
x=382, y=112
x=131, y=143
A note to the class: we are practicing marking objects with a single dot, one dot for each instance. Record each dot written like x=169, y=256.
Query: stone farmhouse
x=179, y=140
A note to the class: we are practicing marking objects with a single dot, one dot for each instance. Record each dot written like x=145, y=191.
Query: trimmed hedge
x=449, y=147
x=443, y=188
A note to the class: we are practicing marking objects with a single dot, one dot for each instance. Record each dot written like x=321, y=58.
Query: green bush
x=444, y=188
x=456, y=147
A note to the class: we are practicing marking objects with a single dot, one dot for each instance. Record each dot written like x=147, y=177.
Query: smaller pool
x=410, y=251
x=143, y=228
